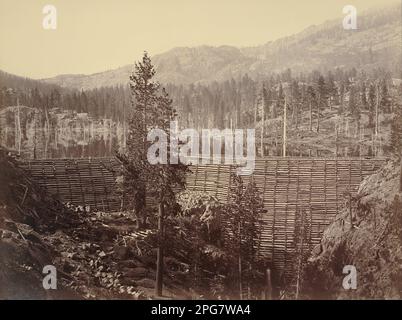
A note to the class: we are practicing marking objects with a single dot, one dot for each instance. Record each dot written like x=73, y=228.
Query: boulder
x=121, y=252
x=135, y=273
x=146, y=283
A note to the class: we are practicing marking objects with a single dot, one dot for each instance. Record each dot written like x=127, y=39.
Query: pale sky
x=96, y=35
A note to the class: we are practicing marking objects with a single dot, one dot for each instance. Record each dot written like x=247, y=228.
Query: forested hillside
x=100, y=102
x=334, y=110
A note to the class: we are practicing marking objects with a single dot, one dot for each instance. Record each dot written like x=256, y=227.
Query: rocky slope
x=366, y=234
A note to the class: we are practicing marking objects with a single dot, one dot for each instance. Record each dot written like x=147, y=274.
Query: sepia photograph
x=200, y=150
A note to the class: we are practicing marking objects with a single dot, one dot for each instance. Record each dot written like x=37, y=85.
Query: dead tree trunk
x=284, y=129
x=240, y=267
x=376, y=119
x=318, y=114
x=262, y=131
x=400, y=177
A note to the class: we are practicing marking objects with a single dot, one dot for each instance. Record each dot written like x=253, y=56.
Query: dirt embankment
x=26, y=214
x=367, y=234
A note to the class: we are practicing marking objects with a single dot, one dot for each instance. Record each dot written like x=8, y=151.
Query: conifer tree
x=354, y=107
x=311, y=100
x=363, y=96
x=341, y=99
x=371, y=107
x=152, y=109
x=243, y=233
x=396, y=132
x=385, y=101
x=396, y=135
x=322, y=94
x=135, y=165
x=279, y=102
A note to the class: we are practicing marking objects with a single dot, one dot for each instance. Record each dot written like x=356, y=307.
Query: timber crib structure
x=315, y=188
x=80, y=182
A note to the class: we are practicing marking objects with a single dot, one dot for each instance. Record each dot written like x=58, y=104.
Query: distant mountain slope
x=179, y=65
x=376, y=43
x=8, y=80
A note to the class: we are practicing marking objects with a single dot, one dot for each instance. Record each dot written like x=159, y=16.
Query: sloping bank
x=27, y=214
x=366, y=234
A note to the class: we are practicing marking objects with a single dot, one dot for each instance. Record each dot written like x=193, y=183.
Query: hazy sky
x=95, y=35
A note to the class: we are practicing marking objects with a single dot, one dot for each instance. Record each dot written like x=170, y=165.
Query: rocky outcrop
x=367, y=234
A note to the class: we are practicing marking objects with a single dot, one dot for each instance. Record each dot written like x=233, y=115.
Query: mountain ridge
x=376, y=44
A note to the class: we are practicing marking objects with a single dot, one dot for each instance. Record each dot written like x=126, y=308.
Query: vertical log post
x=240, y=267
x=350, y=210
x=268, y=284
x=262, y=128
x=376, y=119
x=159, y=259
x=284, y=129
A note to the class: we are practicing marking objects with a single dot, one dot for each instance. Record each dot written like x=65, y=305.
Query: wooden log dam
x=316, y=187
